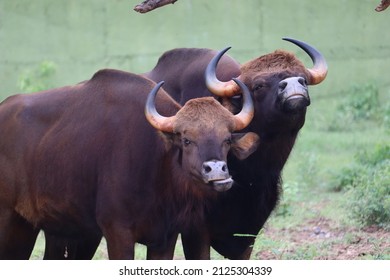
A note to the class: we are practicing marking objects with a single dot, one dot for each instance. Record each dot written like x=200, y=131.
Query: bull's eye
x=186, y=142
x=259, y=86
x=228, y=141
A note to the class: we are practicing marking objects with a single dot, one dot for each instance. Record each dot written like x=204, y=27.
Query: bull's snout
x=217, y=173
x=214, y=170
x=294, y=93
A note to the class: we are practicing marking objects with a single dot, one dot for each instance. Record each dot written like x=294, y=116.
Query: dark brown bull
x=185, y=68
x=82, y=162
x=279, y=85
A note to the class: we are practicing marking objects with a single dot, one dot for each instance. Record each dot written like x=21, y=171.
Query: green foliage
x=37, y=79
x=308, y=170
x=369, y=201
x=290, y=191
x=386, y=116
x=347, y=176
x=360, y=103
x=306, y=177
x=366, y=163
x=368, y=187
x=379, y=154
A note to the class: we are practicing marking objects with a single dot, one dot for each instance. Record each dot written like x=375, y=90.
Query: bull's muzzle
x=217, y=174
x=294, y=93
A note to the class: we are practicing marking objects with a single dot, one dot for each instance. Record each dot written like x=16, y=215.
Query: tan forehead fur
x=277, y=61
x=205, y=113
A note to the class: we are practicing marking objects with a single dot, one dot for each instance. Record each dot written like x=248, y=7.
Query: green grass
x=319, y=157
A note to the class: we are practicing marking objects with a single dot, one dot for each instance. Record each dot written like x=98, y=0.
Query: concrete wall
x=82, y=36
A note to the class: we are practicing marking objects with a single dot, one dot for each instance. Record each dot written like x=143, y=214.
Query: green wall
x=82, y=36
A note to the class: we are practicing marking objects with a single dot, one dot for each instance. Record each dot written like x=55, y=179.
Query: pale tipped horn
x=243, y=118
x=320, y=68
x=155, y=119
x=223, y=89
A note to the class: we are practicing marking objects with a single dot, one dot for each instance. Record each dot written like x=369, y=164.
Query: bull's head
x=278, y=81
x=203, y=130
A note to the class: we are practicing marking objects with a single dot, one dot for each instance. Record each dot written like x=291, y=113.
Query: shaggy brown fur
x=207, y=111
x=275, y=62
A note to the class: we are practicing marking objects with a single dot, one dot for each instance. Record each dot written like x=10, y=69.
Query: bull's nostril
x=282, y=85
x=302, y=81
x=215, y=170
x=206, y=168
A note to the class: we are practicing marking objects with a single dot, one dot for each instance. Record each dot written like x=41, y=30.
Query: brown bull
x=82, y=162
x=279, y=86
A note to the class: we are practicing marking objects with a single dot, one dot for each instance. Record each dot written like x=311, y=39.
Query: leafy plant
x=386, y=116
x=365, y=164
x=290, y=190
x=359, y=103
x=369, y=201
x=308, y=169
x=37, y=79
x=362, y=102
x=347, y=176
x=379, y=154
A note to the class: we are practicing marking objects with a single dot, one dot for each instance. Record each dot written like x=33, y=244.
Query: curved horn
x=320, y=68
x=155, y=119
x=243, y=118
x=224, y=89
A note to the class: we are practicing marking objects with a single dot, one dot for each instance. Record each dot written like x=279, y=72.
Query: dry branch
x=383, y=5
x=149, y=5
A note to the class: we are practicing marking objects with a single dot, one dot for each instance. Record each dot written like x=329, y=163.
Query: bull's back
x=23, y=123
x=183, y=70
x=60, y=143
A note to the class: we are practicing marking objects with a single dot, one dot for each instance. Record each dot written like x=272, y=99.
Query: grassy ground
x=313, y=220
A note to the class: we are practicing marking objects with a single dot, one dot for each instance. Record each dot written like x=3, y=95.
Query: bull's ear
x=244, y=144
x=170, y=139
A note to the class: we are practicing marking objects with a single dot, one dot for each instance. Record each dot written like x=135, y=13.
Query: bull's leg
x=244, y=255
x=58, y=248
x=17, y=236
x=234, y=247
x=120, y=243
x=196, y=245
x=87, y=247
x=165, y=252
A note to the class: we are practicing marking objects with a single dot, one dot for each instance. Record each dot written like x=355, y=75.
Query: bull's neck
x=275, y=150
x=267, y=162
x=187, y=197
